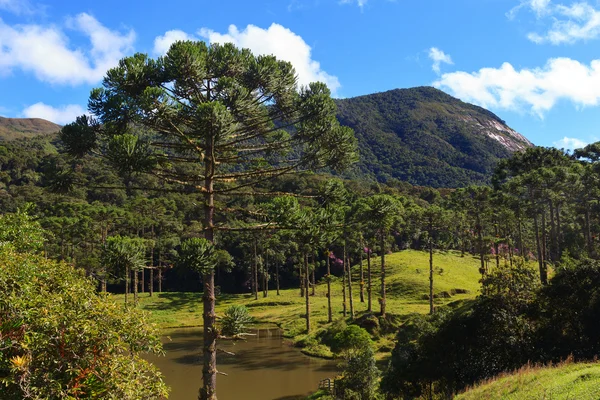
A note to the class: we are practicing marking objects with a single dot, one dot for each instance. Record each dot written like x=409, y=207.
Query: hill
x=567, y=381
x=427, y=137
x=17, y=128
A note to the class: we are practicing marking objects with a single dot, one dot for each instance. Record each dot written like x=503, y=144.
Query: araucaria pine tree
x=215, y=119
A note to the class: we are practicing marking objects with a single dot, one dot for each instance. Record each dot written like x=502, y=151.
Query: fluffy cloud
x=439, y=57
x=164, y=42
x=569, y=23
x=61, y=115
x=570, y=143
x=537, y=89
x=280, y=42
x=45, y=51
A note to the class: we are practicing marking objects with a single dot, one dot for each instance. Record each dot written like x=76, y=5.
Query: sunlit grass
x=562, y=382
x=407, y=277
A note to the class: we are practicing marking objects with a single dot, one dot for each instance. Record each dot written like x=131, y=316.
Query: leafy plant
x=236, y=320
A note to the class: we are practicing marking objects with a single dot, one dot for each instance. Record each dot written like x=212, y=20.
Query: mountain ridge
x=18, y=128
x=426, y=137
x=420, y=135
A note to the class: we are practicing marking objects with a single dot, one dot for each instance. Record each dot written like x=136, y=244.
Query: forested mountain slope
x=427, y=137
x=420, y=135
x=17, y=128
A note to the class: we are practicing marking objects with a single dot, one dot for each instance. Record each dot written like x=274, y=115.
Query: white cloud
x=569, y=23
x=539, y=7
x=536, y=90
x=164, y=42
x=46, y=52
x=360, y=3
x=280, y=42
x=61, y=115
x=568, y=143
x=17, y=6
x=439, y=57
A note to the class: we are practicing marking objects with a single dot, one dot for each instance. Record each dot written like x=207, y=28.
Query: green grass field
x=563, y=382
x=455, y=278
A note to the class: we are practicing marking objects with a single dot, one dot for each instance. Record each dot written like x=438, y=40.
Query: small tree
x=360, y=374
x=123, y=255
x=384, y=211
x=235, y=321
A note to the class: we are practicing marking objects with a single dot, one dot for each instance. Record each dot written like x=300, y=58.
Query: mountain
x=17, y=128
x=427, y=137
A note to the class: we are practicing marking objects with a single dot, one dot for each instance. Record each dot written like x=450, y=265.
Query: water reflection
x=263, y=367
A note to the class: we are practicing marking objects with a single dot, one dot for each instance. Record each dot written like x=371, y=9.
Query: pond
x=264, y=367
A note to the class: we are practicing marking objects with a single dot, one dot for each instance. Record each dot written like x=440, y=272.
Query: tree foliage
x=59, y=339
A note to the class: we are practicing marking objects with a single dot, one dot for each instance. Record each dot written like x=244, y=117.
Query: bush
x=60, y=339
x=235, y=321
x=360, y=374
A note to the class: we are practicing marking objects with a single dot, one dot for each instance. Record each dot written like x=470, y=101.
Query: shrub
x=236, y=320
x=360, y=374
x=60, y=339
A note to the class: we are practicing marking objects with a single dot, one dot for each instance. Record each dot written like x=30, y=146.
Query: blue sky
x=535, y=63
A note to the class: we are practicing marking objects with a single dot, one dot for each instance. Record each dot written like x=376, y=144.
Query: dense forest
x=426, y=137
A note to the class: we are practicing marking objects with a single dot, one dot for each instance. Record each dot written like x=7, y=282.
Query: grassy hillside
x=426, y=137
x=566, y=381
x=17, y=128
x=456, y=278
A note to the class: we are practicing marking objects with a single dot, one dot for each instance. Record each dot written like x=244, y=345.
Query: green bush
x=60, y=339
x=235, y=321
x=360, y=374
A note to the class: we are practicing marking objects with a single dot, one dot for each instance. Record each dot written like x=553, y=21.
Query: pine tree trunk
x=159, y=278
x=209, y=347
x=558, y=232
x=301, y=275
x=362, y=275
x=126, y=283
x=135, y=288
x=540, y=255
x=369, y=287
x=266, y=275
x=255, y=273
x=544, y=241
x=152, y=264
x=313, y=283
x=329, y=314
x=496, y=248
x=553, y=237
x=151, y=281
x=382, y=300
x=344, y=287
x=431, y=309
x=481, y=247
x=143, y=280
x=588, y=230
x=306, y=297
x=277, y=277
x=521, y=248
x=350, y=289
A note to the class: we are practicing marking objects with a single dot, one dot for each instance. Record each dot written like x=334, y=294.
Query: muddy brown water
x=264, y=367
